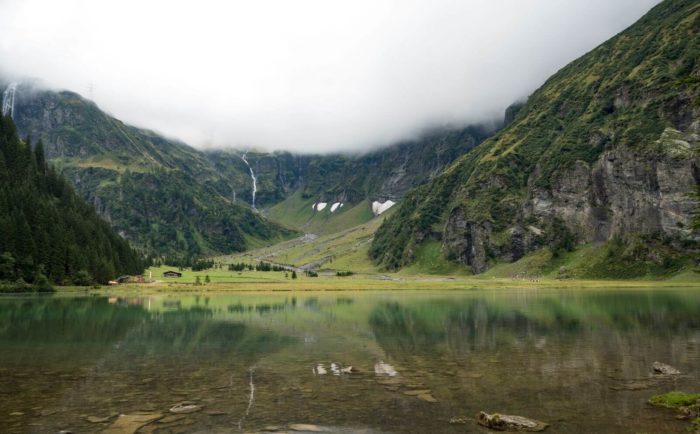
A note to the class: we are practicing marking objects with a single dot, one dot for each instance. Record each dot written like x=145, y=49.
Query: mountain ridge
x=177, y=203
x=158, y=193
x=604, y=151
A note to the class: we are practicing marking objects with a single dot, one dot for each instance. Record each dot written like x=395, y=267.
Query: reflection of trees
x=95, y=321
x=195, y=331
x=475, y=323
x=56, y=319
x=260, y=308
x=402, y=329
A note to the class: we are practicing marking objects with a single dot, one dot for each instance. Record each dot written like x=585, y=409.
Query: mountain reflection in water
x=579, y=360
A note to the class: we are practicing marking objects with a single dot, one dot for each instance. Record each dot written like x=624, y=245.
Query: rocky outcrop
x=466, y=241
x=625, y=192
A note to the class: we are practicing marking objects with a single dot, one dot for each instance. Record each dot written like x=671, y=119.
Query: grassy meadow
x=222, y=280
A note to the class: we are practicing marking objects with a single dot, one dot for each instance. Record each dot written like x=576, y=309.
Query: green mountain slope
x=176, y=202
x=49, y=234
x=604, y=151
x=344, y=250
x=164, y=196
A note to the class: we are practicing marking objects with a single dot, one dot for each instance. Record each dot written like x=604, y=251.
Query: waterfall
x=8, y=100
x=255, y=181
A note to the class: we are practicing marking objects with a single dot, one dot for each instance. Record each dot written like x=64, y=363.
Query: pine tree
x=40, y=157
x=49, y=234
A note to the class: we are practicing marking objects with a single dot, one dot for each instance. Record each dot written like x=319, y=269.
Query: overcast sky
x=303, y=75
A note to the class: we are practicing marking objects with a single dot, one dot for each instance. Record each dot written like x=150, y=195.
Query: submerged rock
x=427, y=397
x=216, y=413
x=306, y=427
x=633, y=385
x=505, y=422
x=96, y=419
x=417, y=392
x=170, y=419
x=664, y=369
x=381, y=368
x=130, y=423
x=184, y=408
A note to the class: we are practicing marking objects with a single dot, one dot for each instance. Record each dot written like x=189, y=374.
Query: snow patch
x=335, y=206
x=380, y=207
x=321, y=206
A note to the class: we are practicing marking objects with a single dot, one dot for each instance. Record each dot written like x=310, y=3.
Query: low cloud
x=306, y=75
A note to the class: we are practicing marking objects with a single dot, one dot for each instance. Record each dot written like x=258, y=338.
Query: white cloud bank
x=303, y=75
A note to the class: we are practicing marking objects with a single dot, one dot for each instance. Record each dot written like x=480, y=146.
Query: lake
x=577, y=359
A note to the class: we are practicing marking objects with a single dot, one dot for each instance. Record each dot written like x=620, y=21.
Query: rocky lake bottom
x=346, y=362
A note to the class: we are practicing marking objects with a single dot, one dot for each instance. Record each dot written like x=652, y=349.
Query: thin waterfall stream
x=8, y=100
x=255, y=181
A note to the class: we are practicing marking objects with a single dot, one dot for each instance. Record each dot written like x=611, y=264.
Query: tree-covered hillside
x=49, y=234
x=162, y=195
x=604, y=151
x=176, y=202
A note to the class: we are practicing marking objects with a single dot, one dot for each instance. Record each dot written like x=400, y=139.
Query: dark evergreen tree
x=49, y=234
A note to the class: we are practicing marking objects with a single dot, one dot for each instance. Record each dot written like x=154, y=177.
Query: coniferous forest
x=49, y=234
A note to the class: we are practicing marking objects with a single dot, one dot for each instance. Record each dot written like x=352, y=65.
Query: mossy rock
x=675, y=399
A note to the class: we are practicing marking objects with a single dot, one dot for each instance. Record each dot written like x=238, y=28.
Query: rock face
x=466, y=241
x=625, y=193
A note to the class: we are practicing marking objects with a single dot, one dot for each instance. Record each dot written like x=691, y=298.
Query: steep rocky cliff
x=605, y=151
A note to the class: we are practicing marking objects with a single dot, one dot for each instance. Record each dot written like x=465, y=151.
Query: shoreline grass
x=275, y=282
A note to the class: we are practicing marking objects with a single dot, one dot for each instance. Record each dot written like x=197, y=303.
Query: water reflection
x=554, y=355
x=478, y=323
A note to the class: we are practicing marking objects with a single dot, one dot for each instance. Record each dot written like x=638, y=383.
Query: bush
x=82, y=278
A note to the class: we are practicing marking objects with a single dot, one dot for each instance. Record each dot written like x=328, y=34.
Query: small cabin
x=171, y=273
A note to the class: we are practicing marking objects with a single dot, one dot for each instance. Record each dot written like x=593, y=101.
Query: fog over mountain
x=307, y=75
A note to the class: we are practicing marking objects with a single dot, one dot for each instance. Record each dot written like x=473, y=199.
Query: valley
x=595, y=176
x=350, y=217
